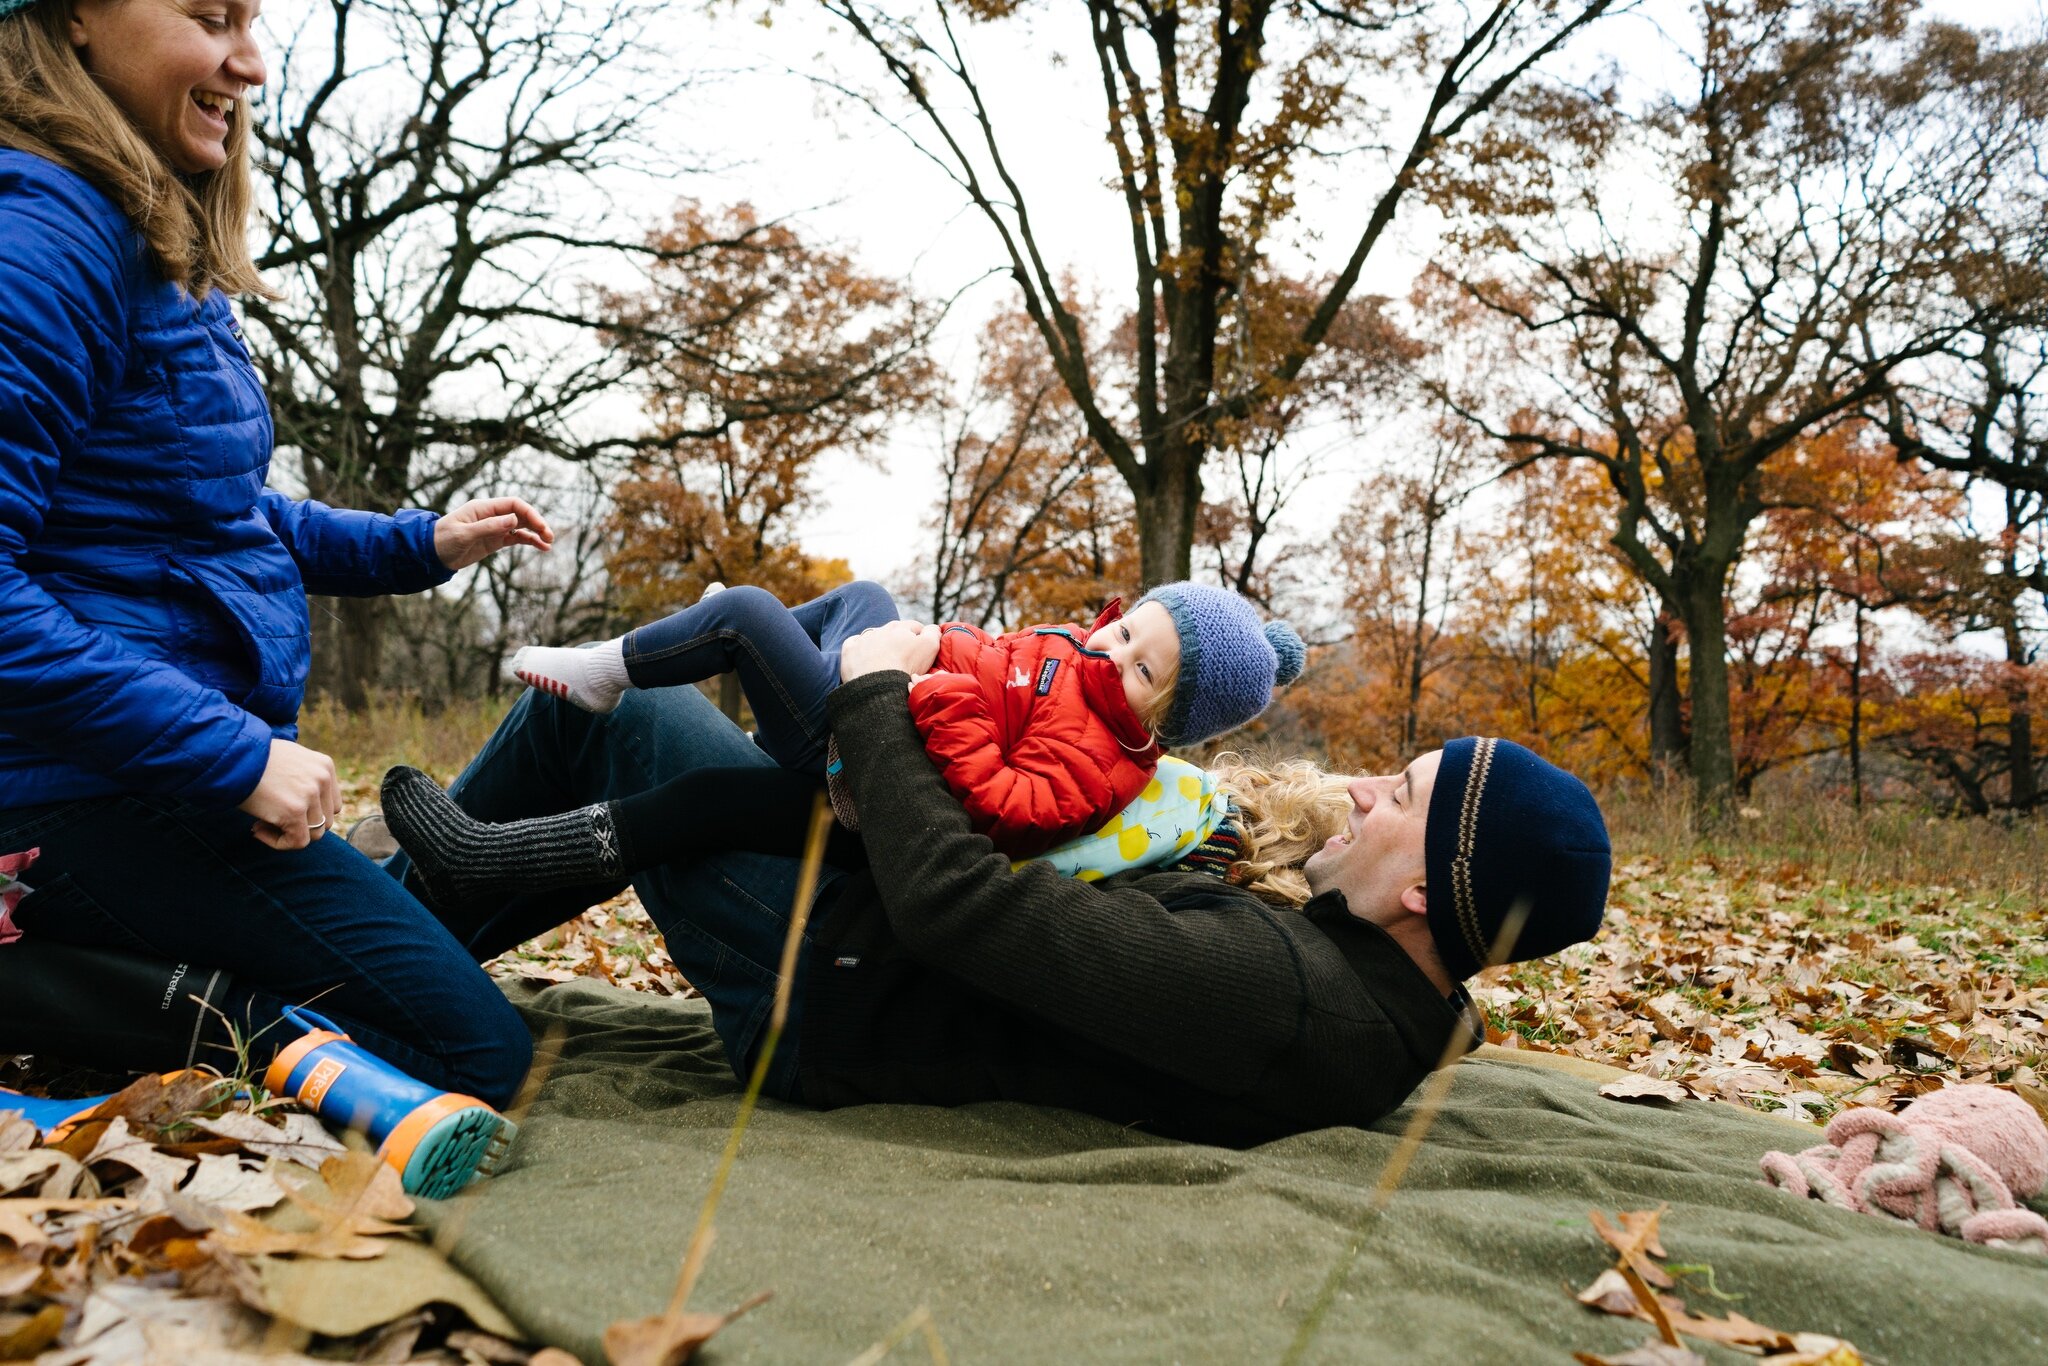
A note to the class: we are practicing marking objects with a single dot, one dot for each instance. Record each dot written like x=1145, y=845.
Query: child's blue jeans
x=787, y=657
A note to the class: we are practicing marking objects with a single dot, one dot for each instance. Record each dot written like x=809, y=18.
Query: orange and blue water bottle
x=439, y=1141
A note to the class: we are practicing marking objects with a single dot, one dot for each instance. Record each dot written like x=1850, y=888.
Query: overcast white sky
x=861, y=184
x=790, y=149
x=761, y=118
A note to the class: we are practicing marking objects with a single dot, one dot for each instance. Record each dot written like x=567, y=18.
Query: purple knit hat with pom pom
x=1230, y=662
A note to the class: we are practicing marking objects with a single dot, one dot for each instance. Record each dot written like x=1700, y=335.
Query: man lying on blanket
x=940, y=974
x=1174, y=1000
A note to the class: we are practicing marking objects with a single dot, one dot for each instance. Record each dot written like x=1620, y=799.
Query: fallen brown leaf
x=19, y=1269
x=17, y=1135
x=488, y=1347
x=2036, y=1096
x=152, y=1106
x=1649, y=1354
x=46, y=1172
x=1637, y=1087
x=160, y=1174
x=668, y=1339
x=297, y=1138
x=17, y=1216
x=24, y=1335
x=226, y=1183
x=360, y=1198
x=1733, y=1331
x=1611, y=1293
x=165, y=1243
x=1636, y=1242
x=1817, y=1349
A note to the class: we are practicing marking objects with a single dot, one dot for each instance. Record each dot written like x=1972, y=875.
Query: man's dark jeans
x=724, y=917
x=322, y=926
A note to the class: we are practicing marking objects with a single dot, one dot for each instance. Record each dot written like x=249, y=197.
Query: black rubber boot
x=106, y=1009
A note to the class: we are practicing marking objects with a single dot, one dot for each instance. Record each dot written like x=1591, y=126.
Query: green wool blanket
x=1040, y=1235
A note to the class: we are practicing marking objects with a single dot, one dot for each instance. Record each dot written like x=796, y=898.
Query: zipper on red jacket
x=1069, y=637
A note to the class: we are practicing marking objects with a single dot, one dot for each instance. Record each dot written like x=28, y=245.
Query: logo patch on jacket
x=1045, y=673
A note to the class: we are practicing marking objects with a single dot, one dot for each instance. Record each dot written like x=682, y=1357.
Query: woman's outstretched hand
x=297, y=797
x=487, y=525
x=903, y=645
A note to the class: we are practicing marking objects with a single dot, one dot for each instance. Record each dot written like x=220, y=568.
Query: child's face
x=1145, y=648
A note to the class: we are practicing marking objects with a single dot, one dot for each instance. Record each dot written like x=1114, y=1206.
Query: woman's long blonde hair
x=196, y=227
x=1285, y=811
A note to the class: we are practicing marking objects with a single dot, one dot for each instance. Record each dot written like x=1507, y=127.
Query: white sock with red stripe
x=593, y=677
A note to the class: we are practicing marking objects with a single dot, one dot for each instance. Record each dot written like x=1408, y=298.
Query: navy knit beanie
x=1507, y=830
x=1229, y=661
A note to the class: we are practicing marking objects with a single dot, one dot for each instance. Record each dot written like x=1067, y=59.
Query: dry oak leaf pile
x=1787, y=994
x=134, y=1238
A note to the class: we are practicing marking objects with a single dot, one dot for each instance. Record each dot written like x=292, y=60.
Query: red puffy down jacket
x=1032, y=732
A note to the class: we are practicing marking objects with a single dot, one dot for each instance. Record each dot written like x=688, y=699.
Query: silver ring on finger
x=319, y=824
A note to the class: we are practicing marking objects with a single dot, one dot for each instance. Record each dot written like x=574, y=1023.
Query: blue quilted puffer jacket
x=153, y=630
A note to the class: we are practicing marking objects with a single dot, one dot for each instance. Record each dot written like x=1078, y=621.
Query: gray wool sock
x=467, y=864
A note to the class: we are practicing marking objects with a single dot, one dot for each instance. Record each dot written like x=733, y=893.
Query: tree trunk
x=1167, y=509
x=1412, y=722
x=1668, y=740
x=1712, y=745
x=2021, y=789
x=1856, y=715
x=348, y=633
x=1967, y=788
x=348, y=649
x=2020, y=740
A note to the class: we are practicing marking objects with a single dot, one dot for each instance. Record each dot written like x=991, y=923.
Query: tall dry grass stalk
x=1436, y=1089
x=396, y=729
x=785, y=986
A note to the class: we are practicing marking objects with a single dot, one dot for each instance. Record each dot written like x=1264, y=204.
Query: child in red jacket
x=1043, y=734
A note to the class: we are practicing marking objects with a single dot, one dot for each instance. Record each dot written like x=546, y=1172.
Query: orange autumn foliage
x=765, y=354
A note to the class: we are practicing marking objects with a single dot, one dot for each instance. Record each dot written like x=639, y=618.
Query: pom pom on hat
x=1289, y=651
x=1229, y=660
x=1510, y=834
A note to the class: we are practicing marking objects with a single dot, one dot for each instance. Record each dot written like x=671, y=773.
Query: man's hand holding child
x=907, y=646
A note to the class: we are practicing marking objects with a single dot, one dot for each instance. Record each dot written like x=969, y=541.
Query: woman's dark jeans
x=324, y=926
x=724, y=918
x=787, y=657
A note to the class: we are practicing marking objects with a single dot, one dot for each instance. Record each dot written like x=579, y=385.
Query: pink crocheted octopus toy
x=1955, y=1161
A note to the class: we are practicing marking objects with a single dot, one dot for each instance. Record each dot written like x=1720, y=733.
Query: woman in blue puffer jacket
x=153, y=627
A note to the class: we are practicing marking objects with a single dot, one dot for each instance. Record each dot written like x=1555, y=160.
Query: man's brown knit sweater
x=1171, y=1001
